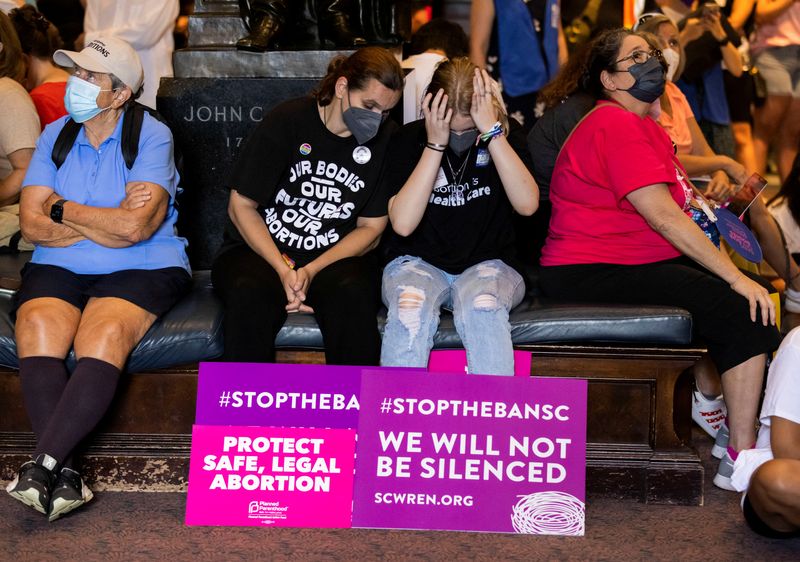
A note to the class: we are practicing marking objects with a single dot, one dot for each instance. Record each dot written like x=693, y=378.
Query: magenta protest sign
x=270, y=394
x=471, y=453
x=455, y=361
x=281, y=477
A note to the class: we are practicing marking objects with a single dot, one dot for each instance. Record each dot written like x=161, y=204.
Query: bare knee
x=109, y=339
x=742, y=133
x=45, y=327
x=486, y=302
x=776, y=480
x=774, y=493
x=409, y=308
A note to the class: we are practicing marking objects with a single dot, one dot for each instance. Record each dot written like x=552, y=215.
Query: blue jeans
x=480, y=297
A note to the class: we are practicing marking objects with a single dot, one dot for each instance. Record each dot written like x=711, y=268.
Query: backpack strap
x=129, y=138
x=64, y=141
x=131, y=130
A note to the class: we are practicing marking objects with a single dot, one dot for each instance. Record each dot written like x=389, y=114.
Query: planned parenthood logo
x=266, y=510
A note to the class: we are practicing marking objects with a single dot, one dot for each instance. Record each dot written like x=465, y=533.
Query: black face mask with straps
x=650, y=80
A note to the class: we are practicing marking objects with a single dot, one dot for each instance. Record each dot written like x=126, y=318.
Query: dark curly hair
x=39, y=38
x=602, y=56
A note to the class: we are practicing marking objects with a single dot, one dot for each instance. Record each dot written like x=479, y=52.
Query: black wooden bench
x=638, y=404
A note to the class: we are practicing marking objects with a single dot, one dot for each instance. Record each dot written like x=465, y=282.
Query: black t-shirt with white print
x=468, y=217
x=310, y=184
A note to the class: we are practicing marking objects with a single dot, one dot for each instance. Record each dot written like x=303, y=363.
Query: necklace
x=461, y=170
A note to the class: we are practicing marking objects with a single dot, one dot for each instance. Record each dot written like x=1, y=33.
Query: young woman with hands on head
x=458, y=175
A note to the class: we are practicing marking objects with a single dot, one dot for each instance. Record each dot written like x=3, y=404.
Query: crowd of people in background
x=591, y=144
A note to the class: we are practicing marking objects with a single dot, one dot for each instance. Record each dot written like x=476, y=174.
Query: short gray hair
x=117, y=84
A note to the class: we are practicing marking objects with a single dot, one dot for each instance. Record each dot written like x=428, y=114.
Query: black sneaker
x=34, y=482
x=69, y=493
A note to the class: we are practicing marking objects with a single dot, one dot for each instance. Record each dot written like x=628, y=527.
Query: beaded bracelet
x=495, y=131
x=436, y=147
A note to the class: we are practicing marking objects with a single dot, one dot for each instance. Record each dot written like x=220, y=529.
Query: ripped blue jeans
x=480, y=297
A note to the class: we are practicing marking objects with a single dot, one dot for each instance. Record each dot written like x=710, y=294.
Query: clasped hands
x=295, y=283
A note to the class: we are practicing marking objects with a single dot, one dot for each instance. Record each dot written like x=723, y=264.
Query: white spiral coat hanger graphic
x=549, y=513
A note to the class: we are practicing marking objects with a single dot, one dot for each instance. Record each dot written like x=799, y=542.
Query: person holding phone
x=457, y=175
x=726, y=174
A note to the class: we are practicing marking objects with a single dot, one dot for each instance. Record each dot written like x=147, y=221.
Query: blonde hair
x=650, y=28
x=455, y=78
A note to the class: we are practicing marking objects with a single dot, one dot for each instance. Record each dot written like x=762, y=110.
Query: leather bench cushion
x=534, y=322
x=190, y=332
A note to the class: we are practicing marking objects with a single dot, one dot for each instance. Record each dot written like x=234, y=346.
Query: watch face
x=57, y=211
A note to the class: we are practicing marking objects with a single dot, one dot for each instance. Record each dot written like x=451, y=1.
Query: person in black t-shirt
x=306, y=206
x=457, y=180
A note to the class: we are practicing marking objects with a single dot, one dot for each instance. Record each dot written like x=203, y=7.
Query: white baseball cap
x=108, y=55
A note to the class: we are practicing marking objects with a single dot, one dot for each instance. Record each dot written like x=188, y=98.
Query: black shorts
x=155, y=290
x=758, y=526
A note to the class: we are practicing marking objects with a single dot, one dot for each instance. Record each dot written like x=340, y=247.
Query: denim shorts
x=780, y=67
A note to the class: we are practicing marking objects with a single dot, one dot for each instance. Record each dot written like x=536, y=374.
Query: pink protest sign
x=476, y=453
x=264, y=476
x=455, y=361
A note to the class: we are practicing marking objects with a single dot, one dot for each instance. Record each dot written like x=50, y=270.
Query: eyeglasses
x=87, y=75
x=638, y=57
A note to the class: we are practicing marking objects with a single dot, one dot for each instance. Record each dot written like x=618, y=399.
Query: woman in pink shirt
x=619, y=231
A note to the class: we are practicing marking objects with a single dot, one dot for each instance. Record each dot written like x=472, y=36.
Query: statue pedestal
x=227, y=62
x=214, y=102
x=211, y=119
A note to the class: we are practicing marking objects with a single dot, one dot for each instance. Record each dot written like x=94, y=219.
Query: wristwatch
x=724, y=41
x=57, y=211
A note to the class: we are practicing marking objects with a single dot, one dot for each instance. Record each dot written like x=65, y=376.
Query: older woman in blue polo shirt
x=106, y=264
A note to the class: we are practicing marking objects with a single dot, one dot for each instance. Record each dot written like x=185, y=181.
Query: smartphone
x=746, y=195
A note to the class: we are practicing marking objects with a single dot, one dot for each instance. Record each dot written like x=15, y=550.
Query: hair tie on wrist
x=436, y=147
x=495, y=131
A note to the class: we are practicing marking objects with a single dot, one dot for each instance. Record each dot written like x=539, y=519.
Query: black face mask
x=461, y=142
x=650, y=80
x=363, y=123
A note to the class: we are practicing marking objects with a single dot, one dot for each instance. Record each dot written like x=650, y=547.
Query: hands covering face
x=483, y=110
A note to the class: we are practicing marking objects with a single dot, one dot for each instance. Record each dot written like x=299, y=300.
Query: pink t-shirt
x=676, y=126
x=780, y=32
x=612, y=153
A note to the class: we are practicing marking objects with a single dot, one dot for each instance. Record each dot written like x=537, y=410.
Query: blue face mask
x=81, y=99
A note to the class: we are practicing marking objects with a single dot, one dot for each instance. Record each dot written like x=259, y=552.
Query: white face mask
x=673, y=59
